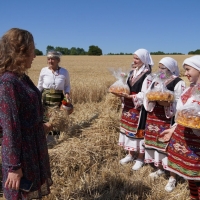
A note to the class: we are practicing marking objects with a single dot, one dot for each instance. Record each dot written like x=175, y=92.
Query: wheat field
x=85, y=159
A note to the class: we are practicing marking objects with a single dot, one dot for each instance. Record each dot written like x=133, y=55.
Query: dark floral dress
x=24, y=142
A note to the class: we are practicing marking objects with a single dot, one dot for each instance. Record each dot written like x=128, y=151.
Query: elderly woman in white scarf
x=160, y=116
x=131, y=127
x=184, y=146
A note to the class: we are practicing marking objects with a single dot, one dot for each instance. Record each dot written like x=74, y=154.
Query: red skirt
x=130, y=120
x=184, y=153
x=156, y=123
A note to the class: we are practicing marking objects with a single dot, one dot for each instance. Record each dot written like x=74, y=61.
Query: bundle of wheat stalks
x=58, y=118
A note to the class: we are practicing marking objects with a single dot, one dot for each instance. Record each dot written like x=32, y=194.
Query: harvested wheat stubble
x=84, y=164
x=58, y=118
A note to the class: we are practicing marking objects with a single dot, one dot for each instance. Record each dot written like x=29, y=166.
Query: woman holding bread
x=131, y=127
x=165, y=90
x=184, y=146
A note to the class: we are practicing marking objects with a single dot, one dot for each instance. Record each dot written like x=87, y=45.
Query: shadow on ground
x=114, y=189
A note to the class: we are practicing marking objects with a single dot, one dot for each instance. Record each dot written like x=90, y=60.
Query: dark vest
x=138, y=84
x=171, y=85
x=136, y=88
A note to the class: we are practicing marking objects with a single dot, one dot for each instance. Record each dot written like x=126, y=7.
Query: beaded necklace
x=54, y=76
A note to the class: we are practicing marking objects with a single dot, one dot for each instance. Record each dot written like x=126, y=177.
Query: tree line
x=162, y=53
x=93, y=50
x=96, y=51
x=197, y=52
x=194, y=52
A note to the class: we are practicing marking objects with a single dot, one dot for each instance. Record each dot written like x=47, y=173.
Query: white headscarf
x=144, y=56
x=193, y=61
x=171, y=64
x=53, y=54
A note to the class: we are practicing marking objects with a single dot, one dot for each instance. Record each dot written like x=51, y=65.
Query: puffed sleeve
x=178, y=90
x=138, y=99
x=10, y=123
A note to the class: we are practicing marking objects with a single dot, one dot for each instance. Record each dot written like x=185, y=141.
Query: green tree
x=73, y=51
x=157, y=53
x=63, y=50
x=38, y=52
x=94, y=50
x=80, y=51
x=194, y=52
x=49, y=48
x=66, y=51
x=60, y=49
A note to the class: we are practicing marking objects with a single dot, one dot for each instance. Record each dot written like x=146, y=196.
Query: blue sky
x=113, y=25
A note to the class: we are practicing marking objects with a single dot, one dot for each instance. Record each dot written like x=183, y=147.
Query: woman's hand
x=47, y=127
x=166, y=135
x=125, y=95
x=67, y=96
x=163, y=103
x=13, y=180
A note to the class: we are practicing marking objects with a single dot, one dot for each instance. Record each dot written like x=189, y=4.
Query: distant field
x=88, y=68
x=85, y=160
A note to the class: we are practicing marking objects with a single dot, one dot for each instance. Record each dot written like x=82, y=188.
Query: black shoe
x=56, y=132
x=50, y=133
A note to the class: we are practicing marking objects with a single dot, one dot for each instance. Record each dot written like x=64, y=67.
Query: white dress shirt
x=59, y=80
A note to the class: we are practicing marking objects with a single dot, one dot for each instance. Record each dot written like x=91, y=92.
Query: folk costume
x=184, y=146
x=160, y=117
x=131, y=125
x=53, y=85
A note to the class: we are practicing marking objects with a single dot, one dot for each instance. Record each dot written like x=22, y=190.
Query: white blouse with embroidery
x=183, y=105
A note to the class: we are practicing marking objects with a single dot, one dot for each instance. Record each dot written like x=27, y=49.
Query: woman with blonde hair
x=24, y=148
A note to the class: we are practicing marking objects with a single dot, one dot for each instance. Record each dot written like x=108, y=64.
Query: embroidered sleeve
x=178, y=90
x=138, y=99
